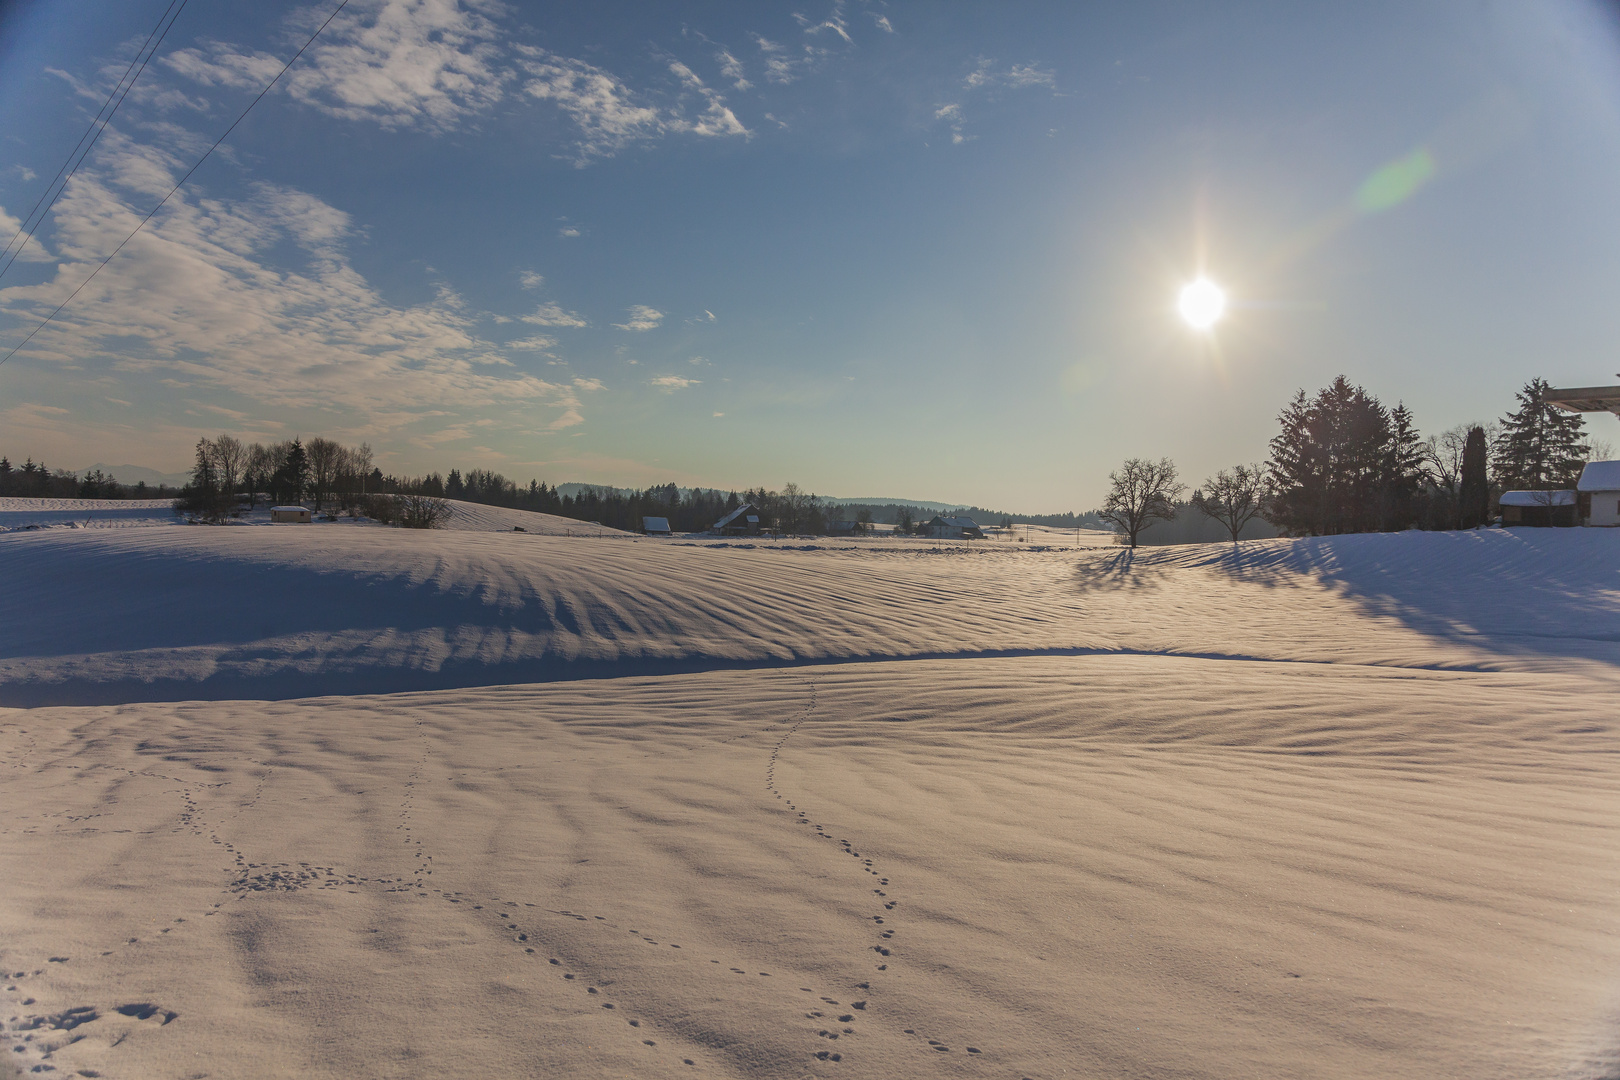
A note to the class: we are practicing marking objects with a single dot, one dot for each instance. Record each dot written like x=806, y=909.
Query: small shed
x=952, y=528
x=1598, y=493
x=1540, y=508
x=655, y=526
x=290, y=514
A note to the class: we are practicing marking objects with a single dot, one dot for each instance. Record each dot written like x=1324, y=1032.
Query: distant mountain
x=134, y=474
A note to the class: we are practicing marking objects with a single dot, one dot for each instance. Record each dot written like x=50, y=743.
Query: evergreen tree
x=291, y=478
x=1404, y=471
x=1474, y=489
x=1332, y=463
x=1540, y=447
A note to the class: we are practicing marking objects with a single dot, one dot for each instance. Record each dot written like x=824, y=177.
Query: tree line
x=1343, y=462
x=33, y=480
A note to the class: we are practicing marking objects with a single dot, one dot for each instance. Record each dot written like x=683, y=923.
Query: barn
x=655, y=526
x=952, y=528
x=296, y=515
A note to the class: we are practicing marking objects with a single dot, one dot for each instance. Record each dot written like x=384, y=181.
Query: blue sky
x=923, y=250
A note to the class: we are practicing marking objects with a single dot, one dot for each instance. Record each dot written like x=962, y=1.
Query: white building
x=290, y=514
x=1599, y=491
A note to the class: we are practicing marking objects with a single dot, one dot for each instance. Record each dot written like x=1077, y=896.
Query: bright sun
x=1201, y=303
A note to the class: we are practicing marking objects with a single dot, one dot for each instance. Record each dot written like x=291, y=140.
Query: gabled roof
x=1539, y=498
x=654, y=524
x=733, y=516
x=1599, y=476
x=956, y=522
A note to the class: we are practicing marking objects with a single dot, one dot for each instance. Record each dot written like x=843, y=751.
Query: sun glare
x=1201, y=304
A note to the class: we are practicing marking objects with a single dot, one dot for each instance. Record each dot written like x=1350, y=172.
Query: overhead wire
x=115, y=98
x=177, y=185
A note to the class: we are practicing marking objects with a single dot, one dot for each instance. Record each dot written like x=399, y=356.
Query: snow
x=1599, y=476
x=1320, y=808
x=1538, y=498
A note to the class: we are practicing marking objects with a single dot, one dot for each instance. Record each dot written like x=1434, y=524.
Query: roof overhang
x=1586, y=399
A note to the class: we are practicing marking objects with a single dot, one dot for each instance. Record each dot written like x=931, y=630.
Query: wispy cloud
x=671, y=383
x=716, y=118
x=194, y=301
x=985, y=75
x=642, y=318
x=399, y=63
x=537, y=343
x=882, y=22
x=568, y=230
x=531, y=280
x=552, y=315
x=732, y=69
x=31, y=250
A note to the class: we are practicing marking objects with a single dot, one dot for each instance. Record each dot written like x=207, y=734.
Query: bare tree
x=325, y=457
x=1233, y=497
x=230, y=459
x=1141, y=493
x=421, y=512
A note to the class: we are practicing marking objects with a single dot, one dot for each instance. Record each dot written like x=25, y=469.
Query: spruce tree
x=1541, y=447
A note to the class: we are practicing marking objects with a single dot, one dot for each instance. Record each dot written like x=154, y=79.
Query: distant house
x=951, y=528
x=842, y=528
x=1540, y=508
x=743, y=521
x=1598, y=493
x=296, y=515
x=655, y=526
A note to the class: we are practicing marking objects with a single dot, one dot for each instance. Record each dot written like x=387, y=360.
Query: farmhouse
x=952, y=528
x=1598, y=493
x=1538, y=508
x=743, y=521
x=290, y=514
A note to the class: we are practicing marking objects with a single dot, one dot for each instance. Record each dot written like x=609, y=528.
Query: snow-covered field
x=873, y=808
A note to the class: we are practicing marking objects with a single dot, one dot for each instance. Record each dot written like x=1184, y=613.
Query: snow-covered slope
x=84, y=513
x=1325, y=809
x=286, y=612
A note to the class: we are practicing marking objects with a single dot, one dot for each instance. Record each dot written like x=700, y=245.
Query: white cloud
x=530, y=280
x=719, y=414
x=671, y=383
x=882, y=22
x=568, y=230
x=731, y=68
x=537, y=343
x=28, y=174
x=30, y=250
x=399, y=63
x=984, y=75
x=195, y=302
x=552, y=315
x=716, y=118
x=642, y=318
x=588, y=384
x=597, y=101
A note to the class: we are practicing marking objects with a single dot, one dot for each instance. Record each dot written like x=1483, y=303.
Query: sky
x=913, y=250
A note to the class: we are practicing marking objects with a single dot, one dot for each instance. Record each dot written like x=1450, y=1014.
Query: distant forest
x=32, y=480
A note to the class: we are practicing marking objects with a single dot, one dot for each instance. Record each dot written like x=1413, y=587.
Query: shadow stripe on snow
x=290, y=685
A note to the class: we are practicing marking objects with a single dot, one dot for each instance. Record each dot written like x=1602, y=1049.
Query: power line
x=268, y=87
x=103, y=117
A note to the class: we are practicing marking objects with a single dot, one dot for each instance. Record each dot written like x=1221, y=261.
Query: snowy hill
x=290, y=611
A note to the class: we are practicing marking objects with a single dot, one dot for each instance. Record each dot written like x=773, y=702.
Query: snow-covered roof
x=1599, y=476
x=1538, y=498
x=305, y=509
x=734, y=515
x=959, y=522
x=654, y=524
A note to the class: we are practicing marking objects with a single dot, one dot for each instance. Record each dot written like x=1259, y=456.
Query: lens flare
x=1201, y=304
